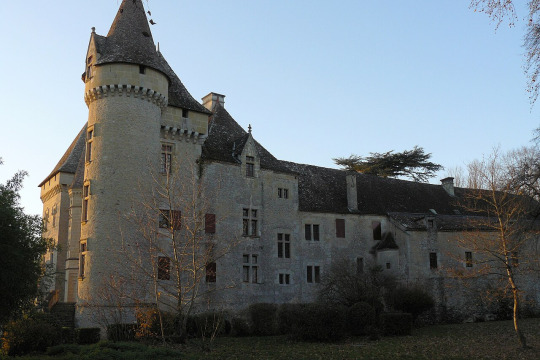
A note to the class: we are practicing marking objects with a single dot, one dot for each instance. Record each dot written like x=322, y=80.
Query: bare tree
x=504, y=10
x=500, y=248
x=173, y=257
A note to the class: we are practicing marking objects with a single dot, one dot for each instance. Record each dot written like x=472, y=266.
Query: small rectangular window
x=250, y=166
x=388, y=265
x=250, y=268
x=86, y=199
x=164, y=268
x=307, y=231
x=377, y=231
x=166, y=159
x=286, y=193
x=170, y=219
x=315, y=232
x=210, y=223
x=468, y=259
x=284, y=279
x=340, y=228
x=211, y=272
x=89, y=140
x=249, y=222
x=185, y=113
x=142, y=69
x=433, y=260
x=313, y=274
x=284, y=245
x=82, y=259
x=279, y=192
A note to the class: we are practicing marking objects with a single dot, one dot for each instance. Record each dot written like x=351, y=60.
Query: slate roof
x=226, y=140
x=70, y=160
x=324, y=190
x=130, y=41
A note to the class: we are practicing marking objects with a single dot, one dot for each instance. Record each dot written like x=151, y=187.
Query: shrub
x=29, y=335
x=240, y=327
x=67, y=335
x=412, y=300
x=361, y=319
x=87, y=336
x=264, y=319
x=396, y=324
x=121, y=332
x=206, y=324
x=320, y=322
x=287, y=317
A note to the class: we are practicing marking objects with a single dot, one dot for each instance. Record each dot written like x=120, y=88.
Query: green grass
x=492, y=340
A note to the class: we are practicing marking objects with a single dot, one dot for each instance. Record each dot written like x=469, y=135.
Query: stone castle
x=153, y=167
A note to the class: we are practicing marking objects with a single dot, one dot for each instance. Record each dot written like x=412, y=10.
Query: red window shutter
x=340, y=228
x=176, y=217
x=210, y=223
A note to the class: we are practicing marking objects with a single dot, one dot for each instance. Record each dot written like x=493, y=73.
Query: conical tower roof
x=129, y=39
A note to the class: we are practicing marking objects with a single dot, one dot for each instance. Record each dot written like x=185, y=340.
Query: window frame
x=313, y=274
x=209, y=223
x=170, y=219
x=89, y=141
x=312, y=232
x=164, y=268
x=166, y=158
x=85, y=201
x=284, y=245
x=377, y=230
x=433, y=260
x=250, y=222
x=340, y=228
x=250, y=268
x=250, y=166
x=211, y=272
x=83, y=248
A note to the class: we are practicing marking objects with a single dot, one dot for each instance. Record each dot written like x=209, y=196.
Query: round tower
x=126, y=91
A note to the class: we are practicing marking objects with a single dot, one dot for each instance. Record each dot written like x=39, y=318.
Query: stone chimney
x=352, y=194
x=448, y=185
x=212, y=99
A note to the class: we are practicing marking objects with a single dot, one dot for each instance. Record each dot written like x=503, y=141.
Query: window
x=312, y=232
x=468, y=259
x=340, y=228
x=89, y=68
x=430, y=223
x=185, y=113
x=250, y=166
x=313, y=274
x=86, y=199
x=377, y=232
x=164, y=268
x=388, y=265
x=249, y=222
x=82, y=259
x=433, y=260
x=211, y=272
x=142, y=69
x=284, y=245
x=284, y=279
x=283, y=193
x=359, y=266
x=250, y=268
x=210, y=223
x=166, y=158
x=89, y=140
x=170, y=219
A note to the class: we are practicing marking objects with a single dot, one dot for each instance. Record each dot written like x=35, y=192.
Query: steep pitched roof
x=226, y=139
x=130, y=41
x=70, y=160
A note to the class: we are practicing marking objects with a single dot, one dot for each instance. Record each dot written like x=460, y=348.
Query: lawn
x=491, y=340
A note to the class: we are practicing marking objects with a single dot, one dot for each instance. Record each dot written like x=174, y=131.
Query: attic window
x=89, y=68
x=142, y=69
x=185, y=113
x=250, y=166
x=377, y=232
x=145, y=34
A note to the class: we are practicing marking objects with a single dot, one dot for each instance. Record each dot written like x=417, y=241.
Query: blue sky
x=315, y=79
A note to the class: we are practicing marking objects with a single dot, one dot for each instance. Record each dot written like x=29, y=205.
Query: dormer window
x=250, y=166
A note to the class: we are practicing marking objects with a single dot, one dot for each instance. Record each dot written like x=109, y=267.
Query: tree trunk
x=521, y=337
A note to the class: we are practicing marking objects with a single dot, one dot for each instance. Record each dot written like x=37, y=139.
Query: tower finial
x=249, y=128
x=93, y=29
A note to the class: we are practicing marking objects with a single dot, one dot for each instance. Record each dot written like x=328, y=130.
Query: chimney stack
x=448, y=185
x=210, y=100
x=352, y=193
